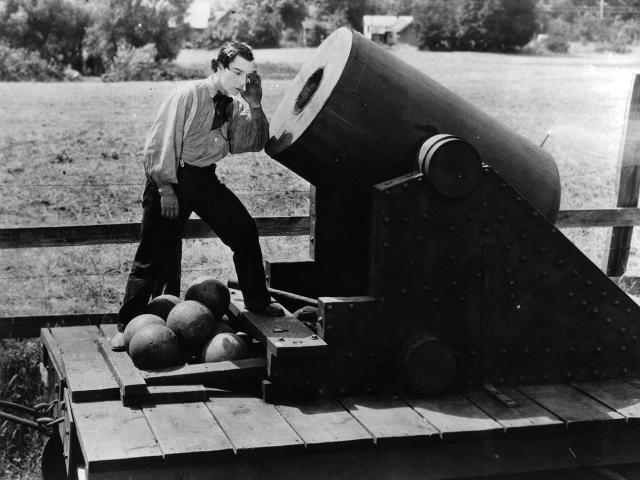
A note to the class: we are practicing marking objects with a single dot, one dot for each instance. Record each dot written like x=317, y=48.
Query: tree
x=394, y=7
x=53, y=28
x=257, y=22
x=353, y=10
x=508, y=24
x=438, y=22
x=292, y=13
x=136, y=23
x=472, y=29
x=499, y=25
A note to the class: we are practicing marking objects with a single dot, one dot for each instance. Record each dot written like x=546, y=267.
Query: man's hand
x=169, y=206
x=253, y=90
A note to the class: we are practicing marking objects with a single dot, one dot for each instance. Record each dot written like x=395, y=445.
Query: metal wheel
x=52, y=460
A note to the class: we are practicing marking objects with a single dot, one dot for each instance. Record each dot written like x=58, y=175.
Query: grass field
x=70, y=154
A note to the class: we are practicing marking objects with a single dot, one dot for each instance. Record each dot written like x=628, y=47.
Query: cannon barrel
x=357, y=115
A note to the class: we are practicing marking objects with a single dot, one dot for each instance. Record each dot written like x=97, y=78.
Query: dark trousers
x=198, y=190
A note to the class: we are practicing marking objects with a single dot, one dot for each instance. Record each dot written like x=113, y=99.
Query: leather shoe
x=271, y=310
x=117, y=342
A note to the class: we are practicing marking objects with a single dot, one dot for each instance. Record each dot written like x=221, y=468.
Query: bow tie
x=220, y=103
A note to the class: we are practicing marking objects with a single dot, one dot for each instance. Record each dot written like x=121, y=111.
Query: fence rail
x=65, y=236
x=114, y=233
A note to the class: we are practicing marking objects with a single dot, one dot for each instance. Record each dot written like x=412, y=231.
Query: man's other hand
x=253, y=90
x=169, y=206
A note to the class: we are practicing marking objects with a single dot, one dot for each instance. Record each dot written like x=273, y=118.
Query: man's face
x=234, y=79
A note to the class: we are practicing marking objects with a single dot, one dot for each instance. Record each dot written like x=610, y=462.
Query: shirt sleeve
x=248, y=129
x=163, y=147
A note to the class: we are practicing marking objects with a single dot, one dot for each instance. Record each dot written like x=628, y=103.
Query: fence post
x=619, y=242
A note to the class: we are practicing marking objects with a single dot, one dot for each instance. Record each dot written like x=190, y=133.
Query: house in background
x=390, y=29
x=201, y=12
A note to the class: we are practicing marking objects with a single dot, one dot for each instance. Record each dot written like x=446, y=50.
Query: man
x=196, y=126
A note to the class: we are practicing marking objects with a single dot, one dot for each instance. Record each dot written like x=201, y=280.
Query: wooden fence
x=622, y=219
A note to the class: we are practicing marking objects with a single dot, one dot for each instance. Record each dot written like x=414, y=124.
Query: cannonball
x=155, y=347
x=224, y=346
x=211, y=292
x=139, y=322
x=162, y=305
x=193, y=324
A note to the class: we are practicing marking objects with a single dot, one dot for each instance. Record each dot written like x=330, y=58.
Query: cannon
x=458, y=334
x=433, y=250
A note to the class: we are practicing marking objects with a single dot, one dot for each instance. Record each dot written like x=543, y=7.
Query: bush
x=130, y=63
x=609, y=34
x=558, y=36
x=19, y=64
x=618, y=36
x=20, y=382
x=140, y=64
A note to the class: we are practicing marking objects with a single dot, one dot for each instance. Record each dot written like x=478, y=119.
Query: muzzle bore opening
x=308, y=91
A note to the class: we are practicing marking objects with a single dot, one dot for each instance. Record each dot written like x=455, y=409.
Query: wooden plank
x=125, y=373
x=174, y=394
x=114, y=233
x=538, y=455
x=69, y=434
x=620, y=396
x=54, y=352
x=29, y=325
x=209, y=373
x=251, y=424
x=187, y=430
x=75, y=340
x=389, y=419
x=454, y=416
x=283, y=336
x=324, y=424
x=572, y=405
x=88, y=376
x=114, y=437
x=606, y=217
x=619, y=242
x=526, y=416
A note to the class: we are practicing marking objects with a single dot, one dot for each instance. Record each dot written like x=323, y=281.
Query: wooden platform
x=177, y=433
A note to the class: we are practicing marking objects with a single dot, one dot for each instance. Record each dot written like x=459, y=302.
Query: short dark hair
x=228, y=52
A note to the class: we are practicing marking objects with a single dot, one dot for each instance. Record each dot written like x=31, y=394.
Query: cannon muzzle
x=357, y=115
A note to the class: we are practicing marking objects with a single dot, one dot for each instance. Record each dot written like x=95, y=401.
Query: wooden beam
x=124, y=372
x=112, y=233
x=283, y=336
x=619, y=242
x=210, y=373
x=29, y=326
x=610, y=217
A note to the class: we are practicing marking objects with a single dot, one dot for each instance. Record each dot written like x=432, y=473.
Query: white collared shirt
x=167, y=144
